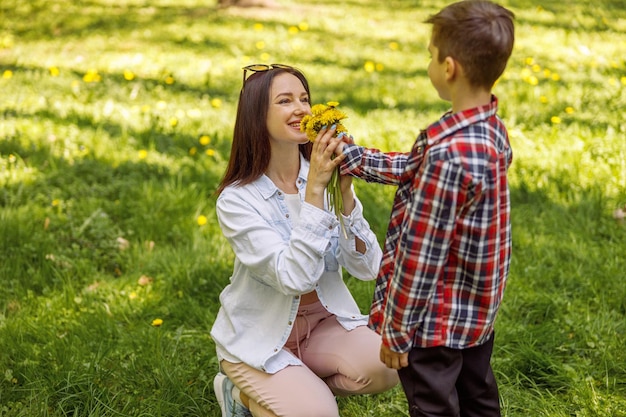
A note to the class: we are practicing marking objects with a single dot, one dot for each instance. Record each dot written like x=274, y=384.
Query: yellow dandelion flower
x=92, y=76
x=202, y=220
x=54, y=71
x=265, y=57
x=555, y=120
x=260, y=45
x=216, y=103
x=543, y=99
x=143, y=154
x=529, y=61
x=204, y=140
x=612, y=81
x=379, y=67
x=293, y=30
x=145, y=108
x=129, y=75
x=369, y=66
x=303, y=26
x=258, y=27
x=193, y=150
x=157, y=322
x=56, y=202
x=7, y=74
x=210, y=152
x=394, y=46
x=623, y=80
x=536, y=68
x=547, y=73
x=569, y=110
x=132, y=295
x=555, y=77
x=532, y=80
x=169, y=80
x=173, y=122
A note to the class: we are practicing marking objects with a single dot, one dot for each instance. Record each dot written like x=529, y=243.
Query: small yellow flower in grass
x=54, y=71
x=555, y=77
x=92, y=76
x=258, y=27
x=132, y=295
x=555, y=120
x=369, y=66
x=204, y=140
x=623, y=80
x=260, y=45
x=157, y=322
x=169, y=80
x=303, y=26
x=210, y=152
x=143, y=154
x=529, y=61
x=216, y=103
x=293, y=30
x=173, y=122
x=56, y=202
x=202, y=220
x=569, y=110
x=394, y=46
x=129, y=75
x=193, y=150
x=7, y=74
x=543, y=99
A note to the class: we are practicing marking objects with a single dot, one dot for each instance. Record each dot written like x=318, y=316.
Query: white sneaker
x=223, y=388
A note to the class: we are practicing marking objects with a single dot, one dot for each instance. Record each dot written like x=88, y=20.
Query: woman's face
x=289, y=102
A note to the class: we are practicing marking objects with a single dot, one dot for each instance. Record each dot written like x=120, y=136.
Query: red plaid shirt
x=448, y=246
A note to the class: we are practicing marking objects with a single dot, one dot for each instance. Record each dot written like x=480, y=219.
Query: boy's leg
x=348, y=361
x=429, y=381
x=476, y=387
x=294, y=391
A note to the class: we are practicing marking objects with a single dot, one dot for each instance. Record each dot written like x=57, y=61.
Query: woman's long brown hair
x=250, y=152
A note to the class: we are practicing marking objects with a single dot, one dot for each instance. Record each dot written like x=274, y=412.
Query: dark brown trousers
x=444, y=382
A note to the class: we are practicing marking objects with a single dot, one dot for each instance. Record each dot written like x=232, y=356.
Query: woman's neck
x=283, y=170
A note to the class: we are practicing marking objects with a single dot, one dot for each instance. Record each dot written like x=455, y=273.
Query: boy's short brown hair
x=479, y=34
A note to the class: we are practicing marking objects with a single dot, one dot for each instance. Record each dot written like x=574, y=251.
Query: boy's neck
x=465, y=99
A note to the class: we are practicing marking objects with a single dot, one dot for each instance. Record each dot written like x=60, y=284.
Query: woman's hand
x=322, y=165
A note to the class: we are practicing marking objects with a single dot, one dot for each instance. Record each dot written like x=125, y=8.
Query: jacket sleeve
x=363, y=266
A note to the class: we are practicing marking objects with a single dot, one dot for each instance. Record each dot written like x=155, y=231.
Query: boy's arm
x=373, y=165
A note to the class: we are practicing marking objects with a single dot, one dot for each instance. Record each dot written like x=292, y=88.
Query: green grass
x=106, y=170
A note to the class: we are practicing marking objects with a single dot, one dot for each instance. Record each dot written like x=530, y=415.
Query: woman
x=289, y=335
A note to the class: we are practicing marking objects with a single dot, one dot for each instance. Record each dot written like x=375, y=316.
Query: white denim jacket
x=276, y=262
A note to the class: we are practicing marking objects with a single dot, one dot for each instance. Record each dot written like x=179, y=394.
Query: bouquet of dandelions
x=327, y=115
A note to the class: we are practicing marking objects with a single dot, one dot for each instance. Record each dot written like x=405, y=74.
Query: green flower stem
x=335, y=199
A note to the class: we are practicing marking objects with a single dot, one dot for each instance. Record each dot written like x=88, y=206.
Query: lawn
x=115, y=127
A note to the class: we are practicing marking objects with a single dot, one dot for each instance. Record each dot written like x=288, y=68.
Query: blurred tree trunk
x=246, y=3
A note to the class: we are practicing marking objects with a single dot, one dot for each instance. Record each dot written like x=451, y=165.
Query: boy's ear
x=452, y=68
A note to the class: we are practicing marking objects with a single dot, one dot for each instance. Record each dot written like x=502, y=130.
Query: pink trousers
x=338, y=363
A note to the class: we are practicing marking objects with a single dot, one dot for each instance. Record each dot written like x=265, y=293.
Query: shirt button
x=287, y=215
x=330, y=227
x=290, y=322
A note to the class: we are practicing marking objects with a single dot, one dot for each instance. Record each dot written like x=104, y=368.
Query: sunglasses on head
x=260, y=68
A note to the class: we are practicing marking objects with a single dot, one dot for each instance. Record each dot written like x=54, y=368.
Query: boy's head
x=479, y=35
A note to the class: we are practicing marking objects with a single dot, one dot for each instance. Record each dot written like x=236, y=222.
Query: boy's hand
x=393, y=359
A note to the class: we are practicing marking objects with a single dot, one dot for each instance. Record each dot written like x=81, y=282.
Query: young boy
x=448, y=244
